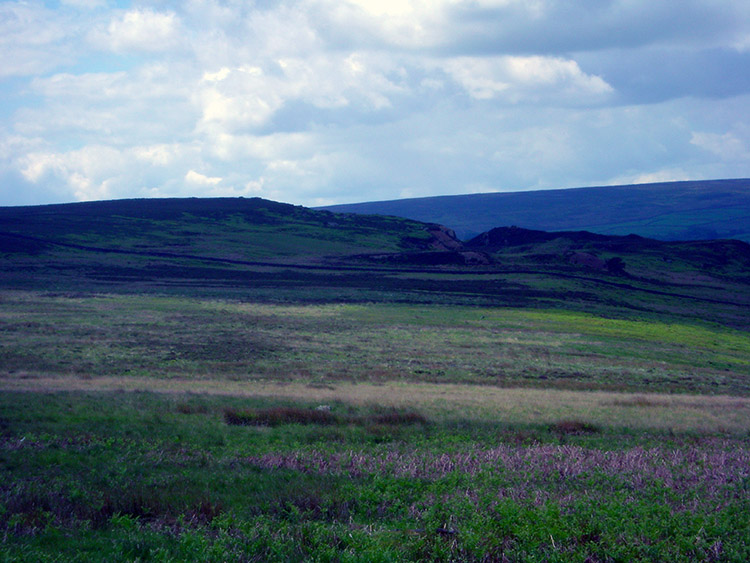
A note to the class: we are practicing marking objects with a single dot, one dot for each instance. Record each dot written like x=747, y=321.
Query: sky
x=316, y=102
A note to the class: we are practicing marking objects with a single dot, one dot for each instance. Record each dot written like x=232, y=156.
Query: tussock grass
x=276, y=416
x=187, y=408
x=574, y=427
x=639, y=401
x=29, y=509
x=398, y=418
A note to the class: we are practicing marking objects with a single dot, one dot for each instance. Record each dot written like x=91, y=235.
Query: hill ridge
x=687, y=210
x=245, y=229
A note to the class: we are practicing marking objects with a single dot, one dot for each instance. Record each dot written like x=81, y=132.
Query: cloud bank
x=332, y=101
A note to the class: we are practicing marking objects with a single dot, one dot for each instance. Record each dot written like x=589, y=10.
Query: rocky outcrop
x=443, y=238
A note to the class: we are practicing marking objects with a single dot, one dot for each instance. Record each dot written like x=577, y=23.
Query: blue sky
x=318, y=102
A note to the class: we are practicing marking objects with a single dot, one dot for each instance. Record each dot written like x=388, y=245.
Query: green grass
x=127, y=476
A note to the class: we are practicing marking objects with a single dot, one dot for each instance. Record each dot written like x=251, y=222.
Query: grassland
x=449, y=433
x=197, y=381
x=51, y=335
x=123, y=476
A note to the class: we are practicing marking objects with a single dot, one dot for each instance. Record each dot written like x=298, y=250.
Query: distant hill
x=699, y=210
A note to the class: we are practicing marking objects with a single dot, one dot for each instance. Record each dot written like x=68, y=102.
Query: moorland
x=688, y=210
x=243, y=380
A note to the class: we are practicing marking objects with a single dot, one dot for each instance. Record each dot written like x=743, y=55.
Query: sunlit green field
x=168, y=428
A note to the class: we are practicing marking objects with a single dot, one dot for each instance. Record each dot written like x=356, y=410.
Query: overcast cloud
x=332, y=101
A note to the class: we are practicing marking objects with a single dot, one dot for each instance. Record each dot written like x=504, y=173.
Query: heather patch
x=321, y=415
x=706, y=474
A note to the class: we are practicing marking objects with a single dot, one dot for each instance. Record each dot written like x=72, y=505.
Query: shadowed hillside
x=698, y=210
x=625, y=256
x=272, y=252
x=221, y=228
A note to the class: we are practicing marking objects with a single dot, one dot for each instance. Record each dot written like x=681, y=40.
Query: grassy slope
x=668, y=211
x=241, y=229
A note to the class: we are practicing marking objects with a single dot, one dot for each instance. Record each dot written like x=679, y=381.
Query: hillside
x=697, y=210
x=629, y=256
x=240, y=378
x=271, y=252
x=221, y=228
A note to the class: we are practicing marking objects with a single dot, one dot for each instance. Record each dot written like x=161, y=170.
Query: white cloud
x=146, y=105
x=92, y=86
x=337, y=81
x=410, y=23
x=193, y=177
x=221, y=74
x=159, y=155
x=12, y=145
x=235, y=99
x=246, y=98
x=89, y=172
x=389, y=8
x=33, y=39
x=139, y=30
x=247, y=148
x=727, y=146
x=527, y=80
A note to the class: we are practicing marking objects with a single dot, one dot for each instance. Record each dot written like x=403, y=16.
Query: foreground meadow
x=124, y=476
x=171, y=428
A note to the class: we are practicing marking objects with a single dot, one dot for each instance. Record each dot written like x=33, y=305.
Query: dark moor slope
x=227, y=228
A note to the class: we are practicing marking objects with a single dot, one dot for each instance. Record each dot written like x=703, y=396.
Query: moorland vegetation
x=242, y=380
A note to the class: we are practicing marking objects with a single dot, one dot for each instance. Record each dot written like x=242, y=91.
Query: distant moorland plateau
x=706, y=209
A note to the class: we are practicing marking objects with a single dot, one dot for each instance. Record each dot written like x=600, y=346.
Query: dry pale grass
x=718, y=413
